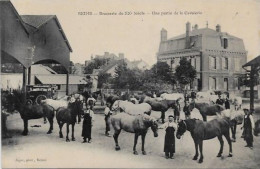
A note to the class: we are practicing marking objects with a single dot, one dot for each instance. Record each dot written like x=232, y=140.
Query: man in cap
x=248, y=125
x=107, y=113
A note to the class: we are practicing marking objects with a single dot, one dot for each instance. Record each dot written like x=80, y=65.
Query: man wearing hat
x=169, y=142
x=219, y=100
x=248, y=125
x=107, y=113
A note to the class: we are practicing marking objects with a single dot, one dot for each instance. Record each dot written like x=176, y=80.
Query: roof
x=16, y=13
x=204, y=32
x=60, y=79
x=37, y=21
x=41, y=69
x=253, y=62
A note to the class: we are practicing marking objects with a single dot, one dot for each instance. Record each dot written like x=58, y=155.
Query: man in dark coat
x=249, y=126
x=219, y=100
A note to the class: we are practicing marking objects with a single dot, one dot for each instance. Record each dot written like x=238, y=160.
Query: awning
x=60, y=79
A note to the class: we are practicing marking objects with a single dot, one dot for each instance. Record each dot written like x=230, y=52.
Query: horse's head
x=182, y=127
x=115, y=106
x=154, y=127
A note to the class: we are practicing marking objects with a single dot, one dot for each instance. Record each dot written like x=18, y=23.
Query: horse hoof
x=67, y=140
x=135, y=153
x=144, y=152
x=219, y=155
x=49, y=132
x=117, y=148
x=200, y=161
x=73, y=139
x=195, y=158
x=230, y=155
x=24, y=133
x=61, y=136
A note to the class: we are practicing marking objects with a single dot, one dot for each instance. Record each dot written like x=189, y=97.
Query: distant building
x=140, y=64
x=217, y=56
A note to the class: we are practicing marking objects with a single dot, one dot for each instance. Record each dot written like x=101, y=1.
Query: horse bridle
x=184, y=125
x=117, y=107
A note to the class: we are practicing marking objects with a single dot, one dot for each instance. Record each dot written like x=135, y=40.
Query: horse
x=173, y=96
x=205, y=109
x=236, y=101
x=200, y=131
x=257, y=127
x=67, y=115
x=29, y=112
x=56, y=104
x=161, y=106
x=137, y=124
x=111, y=99
x=130, y=108
x=235, y=117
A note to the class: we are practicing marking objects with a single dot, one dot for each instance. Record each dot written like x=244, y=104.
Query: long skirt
x=86, y=131
x=169, y=142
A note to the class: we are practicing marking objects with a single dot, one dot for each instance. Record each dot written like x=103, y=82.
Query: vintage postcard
x=130, y=83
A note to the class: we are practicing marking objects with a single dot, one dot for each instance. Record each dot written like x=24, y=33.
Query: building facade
x=217, y=56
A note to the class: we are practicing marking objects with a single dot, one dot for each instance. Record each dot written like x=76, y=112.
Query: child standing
x=169, y=142
x=87, y=124
x=107, y=118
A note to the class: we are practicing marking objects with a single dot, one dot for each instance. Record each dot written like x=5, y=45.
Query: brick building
x=217, y=56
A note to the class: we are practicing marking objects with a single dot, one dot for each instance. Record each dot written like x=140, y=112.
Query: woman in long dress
x=169, y=142
x=87, y=124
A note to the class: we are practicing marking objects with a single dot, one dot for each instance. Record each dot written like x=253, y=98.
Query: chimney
x=121, y=55
x=187, y=35
x=218, y=28
x=163, y=35
x=196, y=26
x=106, y=55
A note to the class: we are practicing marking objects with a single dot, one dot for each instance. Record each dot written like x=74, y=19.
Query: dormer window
x=225, y=43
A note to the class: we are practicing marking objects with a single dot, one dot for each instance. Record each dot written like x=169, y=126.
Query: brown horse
x=67, y=115
x=205, y=109
x=200, y=131
x=29, y=112
x=137, y=124
x=162, y=106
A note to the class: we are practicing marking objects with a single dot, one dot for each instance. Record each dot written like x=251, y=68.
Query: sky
x=138, y=36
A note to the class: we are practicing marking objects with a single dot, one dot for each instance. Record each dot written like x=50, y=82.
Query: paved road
x=41, y=150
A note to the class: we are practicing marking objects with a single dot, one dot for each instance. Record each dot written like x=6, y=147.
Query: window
x=212, y=83
x=225, y=43
x=213, y=62
x=237, y=64
x=226, y=84
x=225, y=63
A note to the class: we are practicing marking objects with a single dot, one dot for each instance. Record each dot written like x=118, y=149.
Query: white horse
x=58, y=103
x=130, y=108
x=236, y=101
x=206, y=97
x=173, y=96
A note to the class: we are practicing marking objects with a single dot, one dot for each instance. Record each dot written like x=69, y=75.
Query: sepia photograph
x=130, y=83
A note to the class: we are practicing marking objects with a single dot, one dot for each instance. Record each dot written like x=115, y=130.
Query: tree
x=121, y=76
x=185, y=72
x=95, y=64
x=162, y=71
x=103, y=78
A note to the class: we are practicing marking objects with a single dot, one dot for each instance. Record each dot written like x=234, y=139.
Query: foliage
x=185, y=72
x=162, y=71
x=244, y=79
x=95, y=64
x=103, y=78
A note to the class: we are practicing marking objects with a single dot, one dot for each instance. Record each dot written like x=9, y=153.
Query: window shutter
x=223, y=62
x=217, y=63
